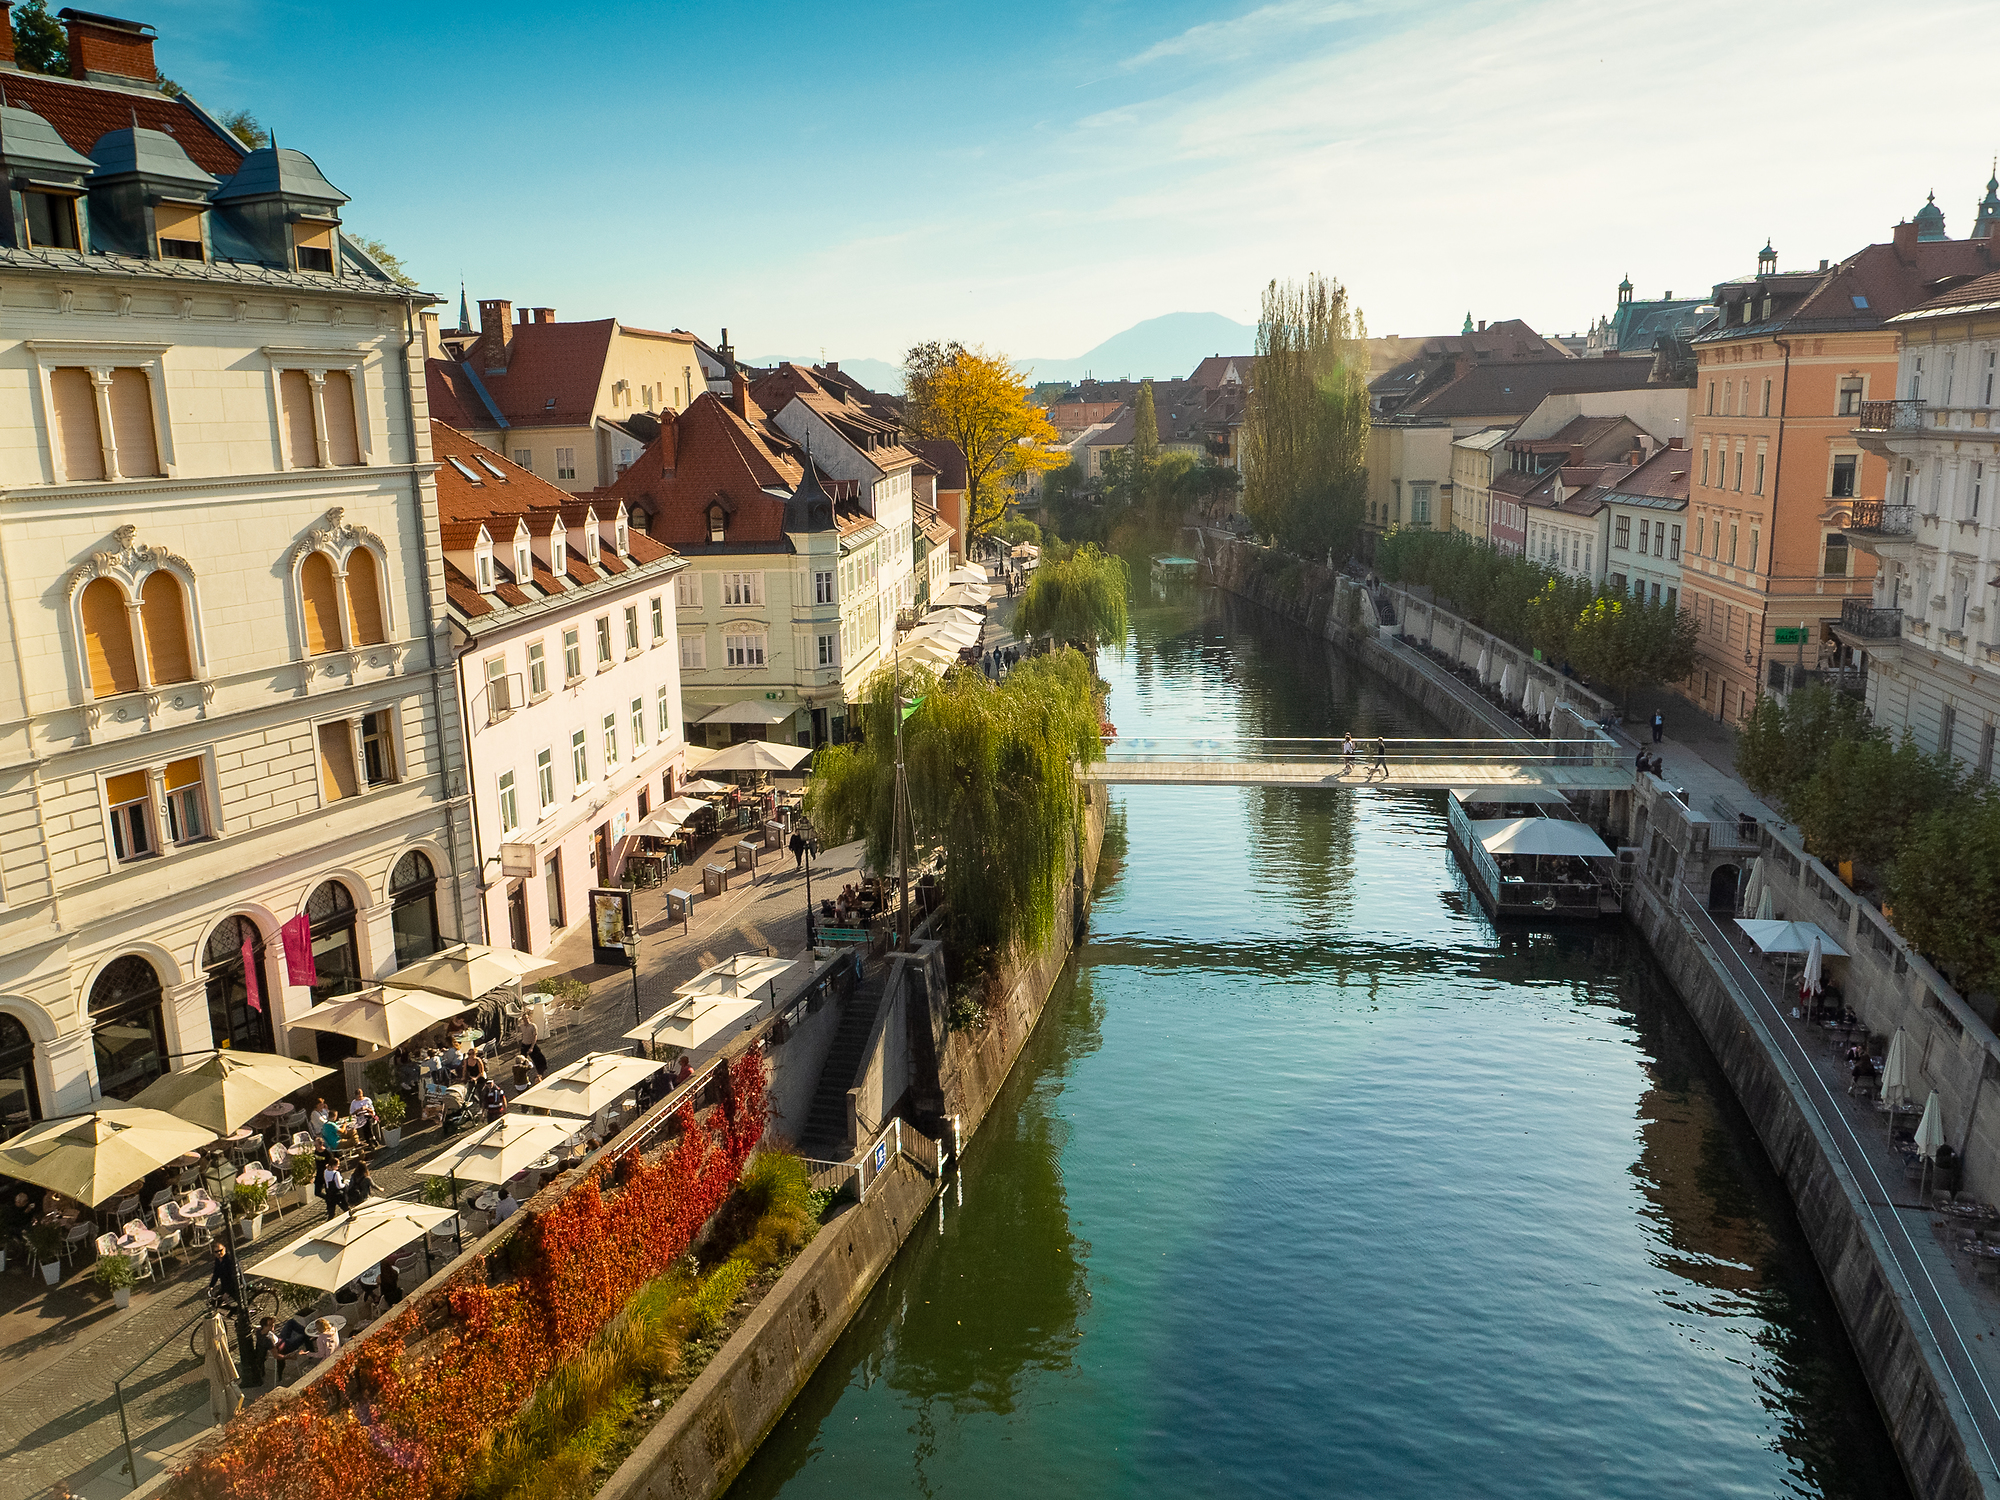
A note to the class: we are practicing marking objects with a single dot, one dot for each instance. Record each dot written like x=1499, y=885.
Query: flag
x=297, y=935
x=912, y=706
x=250, y=995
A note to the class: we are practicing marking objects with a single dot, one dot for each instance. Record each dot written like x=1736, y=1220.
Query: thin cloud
x=1247, y=32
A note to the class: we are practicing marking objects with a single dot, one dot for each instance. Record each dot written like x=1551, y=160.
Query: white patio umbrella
x=1896, y=1073
x=348, y=1244
x=703, y=787
x=738, y=978
x=758, y=755
x=930, y=651
x=589, y=1084
x=1810, y=979
x=465, y=971
x=227, y=1089
x=93, y=1157
x=1482, y=663
x=691, y=1022
x=1749, y=893
x=1764, y=908
x=1506, y=678
x=665, y=826
x=384, y=1015
x=970, y=572
x=1930, y=1129
x=501, y=1151
x=1542, y=707
x=684, y=807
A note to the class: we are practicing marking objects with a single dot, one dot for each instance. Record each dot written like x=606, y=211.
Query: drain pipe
x=452, y=801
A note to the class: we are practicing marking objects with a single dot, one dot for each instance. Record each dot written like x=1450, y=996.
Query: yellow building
x=1472, y=464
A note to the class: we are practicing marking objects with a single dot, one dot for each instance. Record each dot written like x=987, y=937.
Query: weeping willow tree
x=1078, y=598
x=992, y=785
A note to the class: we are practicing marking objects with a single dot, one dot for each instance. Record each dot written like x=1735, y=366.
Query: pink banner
x=297, y=935
x=250, y=994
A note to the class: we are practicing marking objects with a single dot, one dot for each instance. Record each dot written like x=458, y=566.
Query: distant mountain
x=876, y=374
x=1163, y=348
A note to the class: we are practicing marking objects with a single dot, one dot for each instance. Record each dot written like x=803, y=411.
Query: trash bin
x=679, y=905
x=747, y=851
x=714, y=879
x=774, y=835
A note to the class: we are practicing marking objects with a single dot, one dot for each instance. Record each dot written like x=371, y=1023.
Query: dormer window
x=312, y=244
x=483, y=565
x=557, y=563
x=590, y=543
x=524, y=563
x=51, y=220
x=177, y=229
x=715, y=523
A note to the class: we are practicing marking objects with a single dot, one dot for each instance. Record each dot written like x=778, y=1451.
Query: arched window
x=321, y=604
x=127, y=1026
x=364, y=598
x=336, y=960
x=107, y=640
x=163, y=617
x=20, y=1100
x=237, y=1018
x=413, y=912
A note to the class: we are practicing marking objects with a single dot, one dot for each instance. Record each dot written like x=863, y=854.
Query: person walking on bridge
x=1659, y=727
x=1381, y=756
x=1347, y=752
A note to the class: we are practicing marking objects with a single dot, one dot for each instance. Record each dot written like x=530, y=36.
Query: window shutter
x=336, y=762
x=130, y=787
x=164, y=621
x=132, y=424
x=343, y=437
x=322, y=610
x=76, y=424
x=182, y=773
x=295, y=396
x=364, y=598
x=107, y=641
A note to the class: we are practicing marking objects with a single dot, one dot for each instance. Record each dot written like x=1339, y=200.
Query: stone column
x=100, y=385
x=188, y=1030
x=322, y=455
x=378, y=934
x=67, y=1073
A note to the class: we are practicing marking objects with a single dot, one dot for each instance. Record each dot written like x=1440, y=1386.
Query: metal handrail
x=1399, y=751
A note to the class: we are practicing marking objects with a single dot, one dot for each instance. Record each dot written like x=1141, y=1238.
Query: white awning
x=749, y=711
x=1535, y=794
x=1539, y=836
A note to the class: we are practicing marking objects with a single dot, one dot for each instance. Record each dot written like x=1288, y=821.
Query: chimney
x=496, y=332
x=1667, y=295
x=1482, y=325
x=726, y=354
x=739, y=393
x=545, y=315
x=6, y=35
x=1904, y=238
x=833, y=367
x=104, y=49
x=1675, y=442
x=433, y=344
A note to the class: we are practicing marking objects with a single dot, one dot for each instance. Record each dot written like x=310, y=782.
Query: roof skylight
x=463, y=469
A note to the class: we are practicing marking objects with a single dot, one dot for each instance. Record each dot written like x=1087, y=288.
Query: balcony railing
x=1859, y=617
x=1877, y=516
x=1890, y=416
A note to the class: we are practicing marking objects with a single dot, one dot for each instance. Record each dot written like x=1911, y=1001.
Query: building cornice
x=98, y=494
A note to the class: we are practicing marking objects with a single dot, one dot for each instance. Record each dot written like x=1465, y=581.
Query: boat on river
x=1528, y=855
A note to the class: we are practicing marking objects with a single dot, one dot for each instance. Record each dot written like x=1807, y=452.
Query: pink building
x=569, y=672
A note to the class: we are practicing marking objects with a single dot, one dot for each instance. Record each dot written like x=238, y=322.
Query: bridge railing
x=1187, y=749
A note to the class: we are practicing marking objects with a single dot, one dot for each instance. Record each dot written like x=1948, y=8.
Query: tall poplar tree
x=1145, y=425
x=1306, y=429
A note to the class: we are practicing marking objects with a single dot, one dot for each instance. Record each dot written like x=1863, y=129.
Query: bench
x=843, y=934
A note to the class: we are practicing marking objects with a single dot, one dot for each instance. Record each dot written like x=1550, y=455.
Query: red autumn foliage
x=399, y=1414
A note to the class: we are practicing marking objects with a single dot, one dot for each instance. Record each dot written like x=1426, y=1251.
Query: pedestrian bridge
x=1574, y=765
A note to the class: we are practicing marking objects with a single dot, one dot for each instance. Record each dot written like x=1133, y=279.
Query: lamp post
x=801, y=828
x=631, y=947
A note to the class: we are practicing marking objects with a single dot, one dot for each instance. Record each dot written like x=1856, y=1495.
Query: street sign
x=1791, y=635
x=881, y=1155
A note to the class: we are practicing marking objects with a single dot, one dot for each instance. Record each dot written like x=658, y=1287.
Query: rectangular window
x=610, y=741
x=572, y=656
x=1700, y=535
x=545, y=778
x=826, y=651
x=604, y=640
x=1985, y=767
x=741, y=589
x=1758, y=487
x=51, y=220
x=1704, y=463
x=663, y=703
x=1732, y=546
x=538, y=669
x=1738, y=486
x=1844, y=467
x=565, y=463
x=694, y=652
x=638, y=725
x=631, y=629
x=659, y=619
x=823, y=587
x=130, y=800
x=687, y=590
x=1674, y=544
x=1645, y=534
x=76, y=437
x=132, y=436
x=1836, y=556
x=482, y=567
x=579, y=760
x=378, y=747
x=336, y=762
x=1765, y=409
x=497, y=705
x=1621, y=533
x=1711, y=399
x=1753, y=549
x=1850, y=397
x=510, y=810
x=1673, y=598
x=1947, y=726
x=1977, y=492
x=187, y=807
x=1617, y=582
x=525, y=458
x=743, y=650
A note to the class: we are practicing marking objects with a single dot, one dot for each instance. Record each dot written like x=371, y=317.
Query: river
x=1313, y=1182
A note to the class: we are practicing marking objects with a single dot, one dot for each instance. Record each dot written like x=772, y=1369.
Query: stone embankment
x=1914, y=1326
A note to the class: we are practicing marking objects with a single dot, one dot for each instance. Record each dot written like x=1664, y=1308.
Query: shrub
x=296, y=1296
x=718, y=1294
x=562, y=989
x=113, y=1271
x=250, y=1197
x=391, y=1110
x=300, y=1169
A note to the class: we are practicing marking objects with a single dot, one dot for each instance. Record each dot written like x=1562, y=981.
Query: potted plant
x=46, y=1241
x=250, y=1199
x=391, y=1111
x=114, y=1273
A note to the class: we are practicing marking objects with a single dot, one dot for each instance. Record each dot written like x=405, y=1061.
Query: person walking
x=798, y=848
x=1381, y=756
x=1659, y=727
x=1347, y=752
x=332, y=1186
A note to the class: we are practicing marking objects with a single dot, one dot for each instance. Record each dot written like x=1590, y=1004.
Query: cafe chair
x=107, y=1244
x=164, y=1195
x=142, y=1259
x=293, y=1124
x=79, y=1235
x=170, y=1239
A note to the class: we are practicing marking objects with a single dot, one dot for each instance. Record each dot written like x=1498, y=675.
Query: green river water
x=1312, y=1182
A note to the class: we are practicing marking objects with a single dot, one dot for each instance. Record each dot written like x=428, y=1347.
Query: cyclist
x=222, y=1275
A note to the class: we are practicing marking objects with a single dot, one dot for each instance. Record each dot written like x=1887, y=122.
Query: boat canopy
x=1557, y=836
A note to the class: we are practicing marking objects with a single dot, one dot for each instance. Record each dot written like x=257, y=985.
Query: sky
x=858, y=178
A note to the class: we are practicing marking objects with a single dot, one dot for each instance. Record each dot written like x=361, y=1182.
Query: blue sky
x=857, y=178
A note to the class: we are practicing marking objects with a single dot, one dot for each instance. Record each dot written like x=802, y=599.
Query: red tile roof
x=452, y=398
x=707, y=453
x=84, y=113
x=945, y=457
x=546, y=362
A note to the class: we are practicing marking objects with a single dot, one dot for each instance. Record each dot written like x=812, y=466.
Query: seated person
x=289, y=1338
x=450, y=1061
x=506, y=1207
x=325, y=1339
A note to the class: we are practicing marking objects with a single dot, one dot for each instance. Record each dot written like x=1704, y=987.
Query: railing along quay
x=1407, y=752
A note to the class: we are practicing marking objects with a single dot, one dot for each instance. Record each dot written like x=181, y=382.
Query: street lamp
x=631, y=947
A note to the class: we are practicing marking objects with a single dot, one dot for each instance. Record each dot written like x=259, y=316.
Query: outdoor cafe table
x=139, y=1239
x=254, y=1173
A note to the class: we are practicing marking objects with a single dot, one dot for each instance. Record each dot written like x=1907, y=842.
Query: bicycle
x=261, y=1300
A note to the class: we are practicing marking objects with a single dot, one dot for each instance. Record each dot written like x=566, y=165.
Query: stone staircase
x=825, y=1135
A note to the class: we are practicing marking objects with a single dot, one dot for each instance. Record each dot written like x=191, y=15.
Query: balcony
x=1872, y=521
x=1889, y=416
x=1860, y=618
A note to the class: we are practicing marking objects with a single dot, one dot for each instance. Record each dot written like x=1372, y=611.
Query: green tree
x=243, y=125
x=390, y=262
x=1619, y=643
x=1145, y=424
x=1944, y=888
x=1079, y=599
x=40, y=43
x=978, y=401
x=1781, y=747
x=991, y=772
x=1305, y=435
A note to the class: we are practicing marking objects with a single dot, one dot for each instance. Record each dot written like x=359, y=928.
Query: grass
x=586, y=1416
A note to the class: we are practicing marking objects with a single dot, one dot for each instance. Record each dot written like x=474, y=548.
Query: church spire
x=1468, y=322
x=1988, y=221
x=464, y=312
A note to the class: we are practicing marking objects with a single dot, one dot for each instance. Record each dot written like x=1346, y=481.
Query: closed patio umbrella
x=1930, y=1129
x=1750, y=886
x=93, y=1157
x=1810, y=980
x=1506, y=678
x=228, y=1089
x=1482, y=664
x=348, y=1244
x=1764, y=907
x=1528, y=696
x=1896, y=1074
x=1542, y=708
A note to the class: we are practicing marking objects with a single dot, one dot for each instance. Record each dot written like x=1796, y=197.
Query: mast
x=902, y=818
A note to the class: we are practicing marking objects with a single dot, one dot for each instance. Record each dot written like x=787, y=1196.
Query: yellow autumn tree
x=979, y=402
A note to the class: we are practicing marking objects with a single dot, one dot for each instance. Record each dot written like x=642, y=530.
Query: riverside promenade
x=66, y=1345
